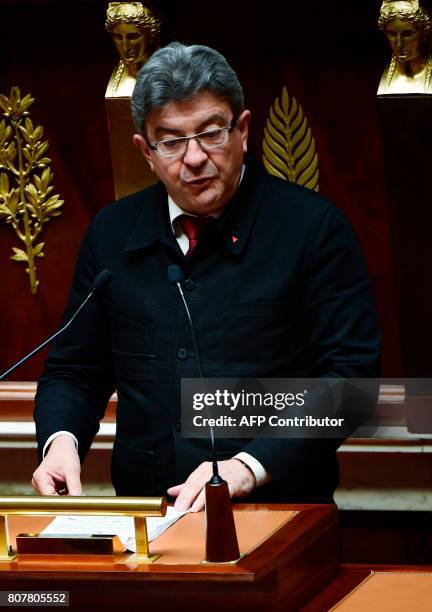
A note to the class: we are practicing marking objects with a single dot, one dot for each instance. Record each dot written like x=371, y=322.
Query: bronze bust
x=406, y=26
x=135, y=30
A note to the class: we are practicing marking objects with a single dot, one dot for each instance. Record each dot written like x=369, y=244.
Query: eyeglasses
x=211, y=139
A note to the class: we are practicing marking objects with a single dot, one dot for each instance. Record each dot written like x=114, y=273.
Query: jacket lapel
x=234, y=225
x=153, y=223
x=238, y=219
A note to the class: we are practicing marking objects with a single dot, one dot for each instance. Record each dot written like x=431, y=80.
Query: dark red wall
x=330, y=57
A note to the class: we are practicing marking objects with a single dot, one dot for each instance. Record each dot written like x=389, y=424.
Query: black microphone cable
x=176, y=276
x=100, y=281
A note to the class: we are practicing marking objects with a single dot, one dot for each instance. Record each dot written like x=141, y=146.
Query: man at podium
x=274, y=279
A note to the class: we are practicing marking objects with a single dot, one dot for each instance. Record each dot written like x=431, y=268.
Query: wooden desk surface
x=291, y=554
x=182, y=544
x=390, y=592
x=391, y=588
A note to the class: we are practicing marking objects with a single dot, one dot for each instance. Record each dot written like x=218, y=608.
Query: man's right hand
x=59, y=472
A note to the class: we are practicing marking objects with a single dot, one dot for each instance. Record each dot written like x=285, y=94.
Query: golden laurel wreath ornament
x=288, y=145
x=26, y=199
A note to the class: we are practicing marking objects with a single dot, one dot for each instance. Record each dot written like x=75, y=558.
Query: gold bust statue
x=135, y=30
x=406, y=26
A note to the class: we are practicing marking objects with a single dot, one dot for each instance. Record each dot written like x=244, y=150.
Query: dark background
x=330, y=55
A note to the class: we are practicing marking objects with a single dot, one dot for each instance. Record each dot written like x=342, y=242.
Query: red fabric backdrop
x=328, y=55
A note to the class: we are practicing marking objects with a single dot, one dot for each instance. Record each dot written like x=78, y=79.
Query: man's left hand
x=191, y=494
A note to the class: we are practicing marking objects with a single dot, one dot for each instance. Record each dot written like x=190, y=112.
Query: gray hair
x=177, y=72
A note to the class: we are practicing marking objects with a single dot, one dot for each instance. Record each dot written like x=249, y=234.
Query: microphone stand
x=221, y=537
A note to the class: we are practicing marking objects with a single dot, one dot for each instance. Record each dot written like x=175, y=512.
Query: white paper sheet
x=121, y=526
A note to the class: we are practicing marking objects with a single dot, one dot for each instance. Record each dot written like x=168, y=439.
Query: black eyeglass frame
x=186, y=139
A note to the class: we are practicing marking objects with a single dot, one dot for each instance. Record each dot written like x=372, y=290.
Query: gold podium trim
x=138, y=507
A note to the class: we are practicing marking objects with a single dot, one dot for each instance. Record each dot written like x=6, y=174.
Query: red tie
x=193, y=228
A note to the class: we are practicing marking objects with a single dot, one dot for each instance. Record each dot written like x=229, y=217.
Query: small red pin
x=234, y=239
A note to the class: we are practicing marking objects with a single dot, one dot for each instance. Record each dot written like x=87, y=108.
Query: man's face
x=131, y=42
x=405, y=39
x=201, y=182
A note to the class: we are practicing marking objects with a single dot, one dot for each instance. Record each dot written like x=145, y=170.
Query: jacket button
x=177, y=424
x=189, y=284
x=182, y=353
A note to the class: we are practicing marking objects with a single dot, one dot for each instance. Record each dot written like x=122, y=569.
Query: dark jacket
x=289, y=296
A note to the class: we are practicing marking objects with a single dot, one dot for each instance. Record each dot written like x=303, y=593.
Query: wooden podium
x=290, y=553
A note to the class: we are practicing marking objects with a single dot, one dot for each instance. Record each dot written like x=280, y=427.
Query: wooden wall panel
x=329, y=55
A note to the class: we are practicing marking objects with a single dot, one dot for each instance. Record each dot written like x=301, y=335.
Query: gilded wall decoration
x=288, y=146
x=26, y=199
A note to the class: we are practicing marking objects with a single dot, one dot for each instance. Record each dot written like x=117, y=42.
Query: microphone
x=100, y=281
x=176, y=276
